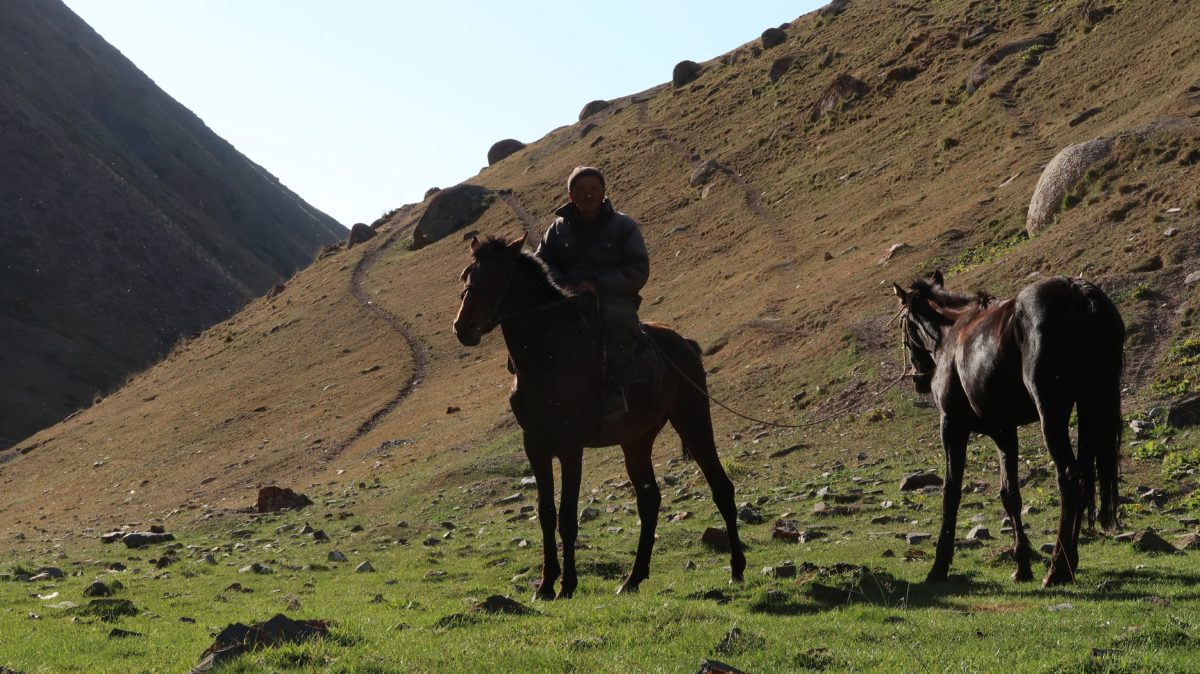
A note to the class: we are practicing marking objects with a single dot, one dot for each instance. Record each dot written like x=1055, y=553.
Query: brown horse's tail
x=1099, y=406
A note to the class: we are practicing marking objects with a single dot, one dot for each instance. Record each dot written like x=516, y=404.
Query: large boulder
x=592, y=108
x=1059, y=176
x=779, y=67
x=273, y=499
x=502, y=149
x=685, y=72
x=358, y=233
x=449, y=211
x=773, y=37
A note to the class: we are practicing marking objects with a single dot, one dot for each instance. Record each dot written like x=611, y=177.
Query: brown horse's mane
x=528, y=264
x=950, y=299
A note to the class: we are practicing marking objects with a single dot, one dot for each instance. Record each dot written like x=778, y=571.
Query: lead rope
x=815, y=422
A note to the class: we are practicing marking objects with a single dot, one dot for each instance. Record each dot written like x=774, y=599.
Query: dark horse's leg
x=1010, y=496
x=641, y=473
x=1065, y=558
x=954, y=443
x=543, y=472
x=694, y=426
x=571, y=461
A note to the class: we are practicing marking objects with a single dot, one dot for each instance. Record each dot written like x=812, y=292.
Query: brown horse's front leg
x=543, y=472
x=641, y=473
x=1010, y=496
x=568, y=517
x=954, y=443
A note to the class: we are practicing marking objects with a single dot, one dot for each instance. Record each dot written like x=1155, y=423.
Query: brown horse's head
x=920, y=325
x=485, y=281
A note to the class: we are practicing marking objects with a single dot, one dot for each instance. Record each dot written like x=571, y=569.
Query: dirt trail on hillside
x=527, y=221
x=420, y=352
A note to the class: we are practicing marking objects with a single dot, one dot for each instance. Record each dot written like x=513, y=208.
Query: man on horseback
x=592, y=249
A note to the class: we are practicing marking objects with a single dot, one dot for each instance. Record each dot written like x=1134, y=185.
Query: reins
x=816, y=422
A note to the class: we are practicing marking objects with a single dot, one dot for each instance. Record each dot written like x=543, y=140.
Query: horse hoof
x=1022, y=576
x=565, y=595
x=627, y=588
x=1053, y=578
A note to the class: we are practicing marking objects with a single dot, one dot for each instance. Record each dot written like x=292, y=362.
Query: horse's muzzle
x=467, y=332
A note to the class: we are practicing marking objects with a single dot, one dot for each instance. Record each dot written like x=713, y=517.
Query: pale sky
x=359, y=106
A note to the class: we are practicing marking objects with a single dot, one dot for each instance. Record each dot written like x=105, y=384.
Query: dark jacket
x=610, y=253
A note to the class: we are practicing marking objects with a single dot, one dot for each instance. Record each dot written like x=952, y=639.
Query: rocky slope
x=875, y=142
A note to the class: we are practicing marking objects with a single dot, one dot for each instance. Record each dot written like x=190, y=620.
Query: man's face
x=587, y=194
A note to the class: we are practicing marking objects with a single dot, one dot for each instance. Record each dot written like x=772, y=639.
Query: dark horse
x=556, y=398
x=993, y=366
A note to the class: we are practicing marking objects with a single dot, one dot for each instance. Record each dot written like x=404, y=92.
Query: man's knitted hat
x=585, y=171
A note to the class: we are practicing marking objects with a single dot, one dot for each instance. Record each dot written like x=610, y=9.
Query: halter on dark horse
x=994, y=366
x=556, y=398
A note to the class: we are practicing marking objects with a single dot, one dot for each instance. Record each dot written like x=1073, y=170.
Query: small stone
x=337, y=556
x=716, y=538
x=511, y=499
x=261, y=569
x=365, y=567
x=1188, y=542
x=1192, y=278
x=1148, y=541
x=979, y=533
x=97, y=589
x=689, y=565
x=588, y=514
x=1046, y=548
x=916, y=538
x=920, y=481
x=1065, y=606
x=750, y=516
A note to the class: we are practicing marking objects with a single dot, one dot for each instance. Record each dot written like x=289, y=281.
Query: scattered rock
x=592, y=108
x=979, y=533
x=1059, y=176
x=501, y=604
x=717, y=667
x=336, y=556
x=1188, y=542
x=716, y=538
x=97, y=589
x=273, y=499
x=237, y=638
x=750, y=516
x=1148, y=541
x=503, y=149
x=904, y=73
x=1192, y=278
x=1185, y=412
x=920, y=481
x=107, y=609
x=779, y=67
x=257, y=568
x=140, y=539
x=916, y=538
x=685, y=72
x=588, y=514
x=773, y=37
x=1065, y=606
x=118, y=633
x=1046, y=548
x=515, y=498
x=359, y=233
x=365, y=567
x=894, y=250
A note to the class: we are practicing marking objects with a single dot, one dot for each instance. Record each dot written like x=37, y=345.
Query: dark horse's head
x=485, y=282
x=927, y=309
x=922, y=326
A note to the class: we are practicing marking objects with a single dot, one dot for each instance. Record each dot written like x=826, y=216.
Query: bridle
x=496, y=296
x=911, y=346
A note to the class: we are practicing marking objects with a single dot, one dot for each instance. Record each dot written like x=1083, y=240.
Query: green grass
x=880, y=619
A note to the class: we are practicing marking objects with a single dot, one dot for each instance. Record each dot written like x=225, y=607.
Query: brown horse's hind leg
x=543, y=472
x=641, y=473
x=1010, y=496
x=954, y=443
x=568, y=517
x=1065, y=558
x=695, y=429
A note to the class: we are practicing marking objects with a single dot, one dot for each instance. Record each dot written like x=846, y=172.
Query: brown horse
x=556, y=398
x=993, y=366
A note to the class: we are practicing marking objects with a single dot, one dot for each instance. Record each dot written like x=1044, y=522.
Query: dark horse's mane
x=927, y=288
x=528, y=265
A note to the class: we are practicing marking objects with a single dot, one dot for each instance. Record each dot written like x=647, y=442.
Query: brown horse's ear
x=474, y=243
x=900, y=293
x=938, y=282
x=516, y=244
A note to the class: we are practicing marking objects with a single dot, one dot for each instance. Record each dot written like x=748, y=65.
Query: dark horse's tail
x=1099, y=405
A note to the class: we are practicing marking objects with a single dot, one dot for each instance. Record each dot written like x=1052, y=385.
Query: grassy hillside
x=350, y=386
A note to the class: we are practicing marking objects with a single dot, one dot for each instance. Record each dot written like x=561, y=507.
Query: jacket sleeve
x=547, y=252
x=634, y=271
